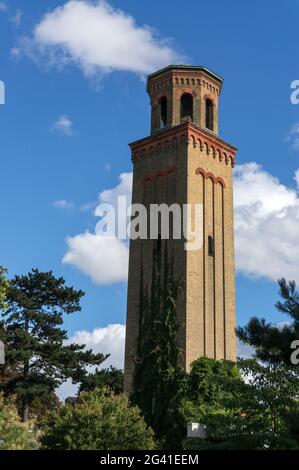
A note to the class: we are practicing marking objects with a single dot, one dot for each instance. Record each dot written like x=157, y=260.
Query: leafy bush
x=99, y=420
x=14, y=435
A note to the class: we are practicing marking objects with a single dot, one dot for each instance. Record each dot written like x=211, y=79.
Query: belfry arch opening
x=163, y=111
x=186, y=107
x=209, y=114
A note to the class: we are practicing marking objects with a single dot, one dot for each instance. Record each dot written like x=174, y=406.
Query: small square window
x=210, y=246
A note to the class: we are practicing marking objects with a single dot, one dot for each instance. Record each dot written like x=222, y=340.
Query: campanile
x=184, y=161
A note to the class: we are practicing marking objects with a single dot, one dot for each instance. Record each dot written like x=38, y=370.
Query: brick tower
x=184, y=161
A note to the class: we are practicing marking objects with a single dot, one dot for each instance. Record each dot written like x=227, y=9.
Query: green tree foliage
x=4, y=284
x=209, y=384
x=38, y=359
x=112, y=378
x=158, y=380
x=271, y=342
x=14, y=435
x=252, y=414
x=40, y=406
x=99, y=421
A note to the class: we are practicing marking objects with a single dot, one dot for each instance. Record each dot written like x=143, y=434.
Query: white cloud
x=63, y=204
x=105, y=260
x=3, y=7
x=266, y=224
x=110, y=196
x=106, y=340
x=123, y=188
x=102, y=258
x=63, y=125
x=99, y=39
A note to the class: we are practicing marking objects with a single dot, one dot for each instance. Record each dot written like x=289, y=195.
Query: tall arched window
x=186, y=107
x=163, y=111
x=209, y=115
x=210, y=246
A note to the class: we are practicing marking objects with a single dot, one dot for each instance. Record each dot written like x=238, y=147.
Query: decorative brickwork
x=157, y=174
x=208, y=174
x=186, y=133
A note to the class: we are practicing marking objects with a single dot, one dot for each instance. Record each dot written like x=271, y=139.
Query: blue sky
x=69, y=117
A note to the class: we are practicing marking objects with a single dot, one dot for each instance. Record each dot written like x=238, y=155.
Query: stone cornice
x=183, y=134
x=181, y=71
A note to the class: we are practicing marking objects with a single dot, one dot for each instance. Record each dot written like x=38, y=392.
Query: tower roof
x=198, y=68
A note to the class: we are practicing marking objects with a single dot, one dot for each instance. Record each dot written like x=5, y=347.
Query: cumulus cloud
x=63, y=125
x=110, y=196
x=123, y=188
x=102, y=258
x=266, y=224
x=106, y=340
x=3, y=7
x=98, y=39
x=63, y=204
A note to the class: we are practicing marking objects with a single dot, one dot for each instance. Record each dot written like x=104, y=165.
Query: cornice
x=186, y=133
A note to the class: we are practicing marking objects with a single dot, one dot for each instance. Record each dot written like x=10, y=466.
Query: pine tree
x=38, y=359
x=112, y=378
x=272, y=343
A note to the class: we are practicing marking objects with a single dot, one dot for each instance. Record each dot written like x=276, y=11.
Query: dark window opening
x=209, y=115
x=163, y=111
x=158, y=254
x=186, y=107
x=210, y=246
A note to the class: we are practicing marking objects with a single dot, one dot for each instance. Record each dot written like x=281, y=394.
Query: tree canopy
x=100, y=420
x=14, y=435
x=38, y=357
x=255, y=413
x=112, y=378
x=272, y=343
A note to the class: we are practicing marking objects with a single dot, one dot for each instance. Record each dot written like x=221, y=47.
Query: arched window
x=209, y=115
x=210, y=246
x=163, y=111
x=186, y=107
